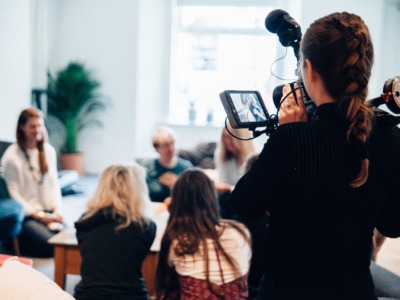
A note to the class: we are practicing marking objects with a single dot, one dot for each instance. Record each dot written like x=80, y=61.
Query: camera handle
x=270, y=125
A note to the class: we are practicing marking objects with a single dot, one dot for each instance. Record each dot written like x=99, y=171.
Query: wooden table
x=67, y=258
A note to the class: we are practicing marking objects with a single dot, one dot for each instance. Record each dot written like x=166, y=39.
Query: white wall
x=153, y=69
x=390, y=42
x=40, y=47
x=103, y=35
x=127, y=42
x=370, y=11
x=15, y=64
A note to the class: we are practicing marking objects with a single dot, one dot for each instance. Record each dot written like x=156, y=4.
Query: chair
x=11, y=217
x=19, y=281
x=25, y=261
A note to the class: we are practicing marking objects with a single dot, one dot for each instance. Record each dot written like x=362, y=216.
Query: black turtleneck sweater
x=320, y=227
x=112, y=260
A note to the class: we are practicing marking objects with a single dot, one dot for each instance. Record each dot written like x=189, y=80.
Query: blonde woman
x=115, y=236
x=230, y=156
x=228, y=159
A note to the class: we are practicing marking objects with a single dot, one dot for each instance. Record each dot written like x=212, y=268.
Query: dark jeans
x=358, y=287
x=33, y=239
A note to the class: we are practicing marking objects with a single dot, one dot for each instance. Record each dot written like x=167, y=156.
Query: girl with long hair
x=30, y=171
x=201, y=256
x=229, y=157
x=115, y=236
x=327, y=183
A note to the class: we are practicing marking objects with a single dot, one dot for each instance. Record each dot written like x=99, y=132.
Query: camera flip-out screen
x=245, y=109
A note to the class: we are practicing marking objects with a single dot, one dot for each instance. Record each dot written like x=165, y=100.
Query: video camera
x=242, y=114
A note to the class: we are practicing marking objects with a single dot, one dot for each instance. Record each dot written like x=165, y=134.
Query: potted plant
x=73, y=101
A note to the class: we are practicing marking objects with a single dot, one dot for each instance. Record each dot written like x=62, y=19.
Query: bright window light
x=216, y=49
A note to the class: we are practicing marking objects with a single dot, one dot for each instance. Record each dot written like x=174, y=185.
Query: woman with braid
x=327, y=183
x=30, y=171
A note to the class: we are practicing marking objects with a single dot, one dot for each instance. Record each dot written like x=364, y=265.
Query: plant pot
x=72, y=161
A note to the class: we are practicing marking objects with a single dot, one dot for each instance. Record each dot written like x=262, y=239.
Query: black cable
x=270, y=69
x=239, y=138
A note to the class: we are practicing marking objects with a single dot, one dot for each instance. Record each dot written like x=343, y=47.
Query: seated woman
x=256, y=110
x=229, y=158
x=11, y=218
x=201, y=256
x=163, y=172
x=247, y=115
x=115, y=236
x=30, y=171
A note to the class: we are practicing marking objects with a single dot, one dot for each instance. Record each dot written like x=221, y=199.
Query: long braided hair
x=340, y=49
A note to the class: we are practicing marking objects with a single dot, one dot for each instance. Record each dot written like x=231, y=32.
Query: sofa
x=201, y=156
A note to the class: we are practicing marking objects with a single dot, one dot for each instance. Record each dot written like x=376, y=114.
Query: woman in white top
x=201, y=256
x=248, y=116
x=30, y=171
x=228, y=159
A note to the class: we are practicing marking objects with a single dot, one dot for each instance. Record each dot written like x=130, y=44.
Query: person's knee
x=17, y=214
x=34, y=239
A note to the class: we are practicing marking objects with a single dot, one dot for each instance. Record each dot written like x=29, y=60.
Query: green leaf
x=73, y=101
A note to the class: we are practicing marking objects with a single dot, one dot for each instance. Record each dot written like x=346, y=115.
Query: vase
x=72, y=161
x=192, y=113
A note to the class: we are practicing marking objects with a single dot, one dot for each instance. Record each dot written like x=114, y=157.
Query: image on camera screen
x=248, y=107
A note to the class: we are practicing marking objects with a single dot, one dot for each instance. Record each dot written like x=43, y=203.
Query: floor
x=389, y=255
x=74, y=205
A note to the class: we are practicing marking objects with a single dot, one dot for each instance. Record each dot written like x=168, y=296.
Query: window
x=216, y=48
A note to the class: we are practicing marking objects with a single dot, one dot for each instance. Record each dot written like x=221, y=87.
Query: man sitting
x=163, y=171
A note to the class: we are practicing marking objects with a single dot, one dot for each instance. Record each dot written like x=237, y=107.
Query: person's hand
x=167, y=203
x=168, y=179
x=45, y=217
x=163, y=206
x=55, y=226
x=290, y=111
x=58, y=218
x=377, y=240
x=57, y=215
x=222, y=187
